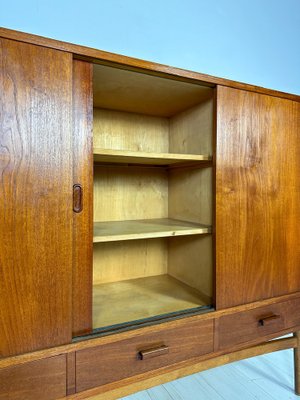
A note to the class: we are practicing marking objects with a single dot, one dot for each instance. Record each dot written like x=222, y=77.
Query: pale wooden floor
x=268, y=377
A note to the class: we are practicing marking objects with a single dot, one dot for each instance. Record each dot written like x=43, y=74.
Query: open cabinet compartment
x=153, y=197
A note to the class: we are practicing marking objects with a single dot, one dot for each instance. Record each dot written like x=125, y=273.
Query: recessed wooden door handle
x=154, y=352
x=265, y=321
x=77, y=198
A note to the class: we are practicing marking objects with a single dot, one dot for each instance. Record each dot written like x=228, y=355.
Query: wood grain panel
x=42, y=380
x=130, y=131
x=35, y=197
x=190, y=199
x=190, y=195
x=83, y=174
x=191, y=131
x=190, y=261
x=71, y=372
x=258, y=193
x=130, y=193
x=104, y=364
x=244, y=326
x=119, y=261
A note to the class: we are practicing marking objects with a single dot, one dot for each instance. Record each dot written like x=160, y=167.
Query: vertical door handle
x=77, y=198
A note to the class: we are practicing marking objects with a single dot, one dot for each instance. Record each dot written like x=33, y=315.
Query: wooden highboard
x=148, y=222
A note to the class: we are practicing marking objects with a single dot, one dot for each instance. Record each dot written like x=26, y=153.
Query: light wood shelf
x=136, y=299
x=113, y=231
x=139, y=157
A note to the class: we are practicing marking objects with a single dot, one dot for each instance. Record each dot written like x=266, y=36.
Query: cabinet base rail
x=134, y=384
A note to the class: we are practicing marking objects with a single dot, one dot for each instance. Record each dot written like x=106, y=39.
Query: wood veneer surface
x=83, y=175
x=42, y=380
x=245, y=326
x=36, y=197
x=104, y=364
x=257, y=199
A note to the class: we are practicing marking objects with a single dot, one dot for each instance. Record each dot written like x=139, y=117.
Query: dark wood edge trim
x=95, y=55
x=71, y=373
x=84, y=344
x=216, y=334
x=145, y=381
x=214, y=193
x=297, y=363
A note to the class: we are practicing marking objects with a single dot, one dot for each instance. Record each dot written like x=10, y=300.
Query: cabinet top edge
x=118, y=60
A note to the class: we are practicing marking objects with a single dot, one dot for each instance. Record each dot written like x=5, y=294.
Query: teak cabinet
x=149, y=221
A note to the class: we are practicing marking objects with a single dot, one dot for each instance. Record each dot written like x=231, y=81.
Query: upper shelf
x=140, y=157
x=145, y=229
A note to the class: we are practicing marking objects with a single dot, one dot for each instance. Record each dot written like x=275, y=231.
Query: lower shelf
x=136, y=299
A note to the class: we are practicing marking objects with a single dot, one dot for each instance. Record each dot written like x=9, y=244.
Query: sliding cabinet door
x=258, y=197
x=36, y=206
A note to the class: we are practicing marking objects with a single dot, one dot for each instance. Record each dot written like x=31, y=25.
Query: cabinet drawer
x=43, y=380
x=259, y=322
x=111, y=362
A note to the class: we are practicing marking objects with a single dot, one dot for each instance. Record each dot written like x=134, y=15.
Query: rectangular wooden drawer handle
x=155, y=352
x=268, y=320
x=77, y=198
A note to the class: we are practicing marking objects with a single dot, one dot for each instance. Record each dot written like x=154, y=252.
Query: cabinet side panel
x=191, y=131
x=258, y=192
x=35, y=197
x=191, y=257
x=83, y=174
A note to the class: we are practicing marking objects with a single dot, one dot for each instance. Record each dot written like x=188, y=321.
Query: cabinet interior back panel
x=118, y=261
x=126, y=193
x=120, y=130
x=188, y=132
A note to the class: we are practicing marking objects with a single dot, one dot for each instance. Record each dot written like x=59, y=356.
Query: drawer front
x=43, y=380
x=257, y=323
x=111, y=362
